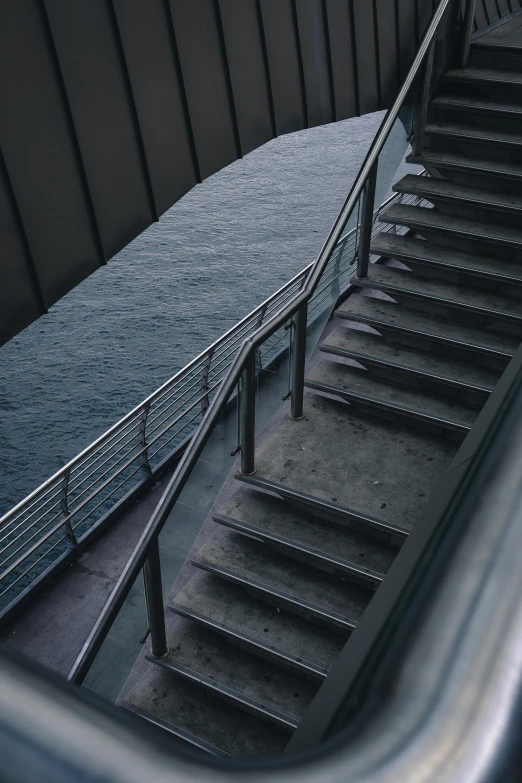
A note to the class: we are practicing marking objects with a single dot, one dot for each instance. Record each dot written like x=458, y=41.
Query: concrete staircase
x=303, y=544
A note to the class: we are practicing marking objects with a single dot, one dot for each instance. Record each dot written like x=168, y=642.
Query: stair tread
x=467, y=131
x=235, y=610
x=239, y=555
x=174, y=731
x=393, y=280
x=484, y=75
x=456, y=160
x=362, y=346
x=372, y=469
x=274, y=517
x=377, y=312
x=186, y=706
x=407, y=248
x=425, y=218
x=454, y=191
x=196, y=652
x=331, y=375
x=480, y=104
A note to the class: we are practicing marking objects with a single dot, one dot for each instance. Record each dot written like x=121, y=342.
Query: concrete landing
x=331, y=454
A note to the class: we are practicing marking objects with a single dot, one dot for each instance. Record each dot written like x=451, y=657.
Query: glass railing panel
x=121, y=658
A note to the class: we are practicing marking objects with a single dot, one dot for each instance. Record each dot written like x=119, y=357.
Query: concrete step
x=412, y=405
x=476, y=104
x=432, y=221
x=330, y=547
x=332, y=454
x=442, y=190
x=185, y=709
x=392, y=317
x=332, y=511
x=375, y=351
x=483, y=76
x=283, y=582
x=267, y=631
x=427, y=291
x=408, y=249
x=181, y=736
x=442, y=160
x=485, y=54
x=249, y=683
x=454, y=130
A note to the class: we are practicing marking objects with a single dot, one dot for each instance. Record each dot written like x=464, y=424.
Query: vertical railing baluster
x=368, y=204
x=299, y=361
x=248, y=416
x=154, y=601
x=423, y=99
x=205, y=402
x=142, y=438
x=64, y=508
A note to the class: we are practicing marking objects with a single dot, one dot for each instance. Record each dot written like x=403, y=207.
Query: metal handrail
x=242, y=366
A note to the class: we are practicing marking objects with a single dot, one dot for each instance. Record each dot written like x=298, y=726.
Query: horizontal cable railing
x=53, y=519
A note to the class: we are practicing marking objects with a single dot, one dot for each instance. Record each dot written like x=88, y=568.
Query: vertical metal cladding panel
x=407, y=34
x=284, y=65
x=481, y=20
x=95, y=80
x=19, y=300
x=425, y=12
x=386, y=26
x=205, y=76
x=40, y=157
x=503, y=7
x=492, y=11
x=148, y=50
x=344, y=74
x=243, y=36
x=316, y=61
x=367, y=56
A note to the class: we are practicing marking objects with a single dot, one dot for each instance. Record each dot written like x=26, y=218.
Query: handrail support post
x=248, y=415
x=368, y=205
x=154, y=601
x=298, y=364
x=469, y=18
x=422, y=102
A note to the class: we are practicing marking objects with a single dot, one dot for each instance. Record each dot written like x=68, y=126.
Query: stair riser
x=474, y=211
x=446, y=389
x=322, y=565
x=261, y=652
x=440, y=347
x=495, y=58
x=474, y=149
x=458, y=241
x=478, y=179
x=293, y=607
x=456, y=313
x=404, y=419
x=501, y=92
x=216, y=692
x=485, y=120
x=355, y=525
x=467, y=280
x=343, y=571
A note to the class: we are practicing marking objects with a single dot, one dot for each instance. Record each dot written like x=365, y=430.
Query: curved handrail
x=200, y=437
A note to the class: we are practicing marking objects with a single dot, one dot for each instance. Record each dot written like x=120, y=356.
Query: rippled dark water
x=221, y=250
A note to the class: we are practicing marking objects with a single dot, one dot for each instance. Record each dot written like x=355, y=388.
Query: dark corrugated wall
x=111, y=110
